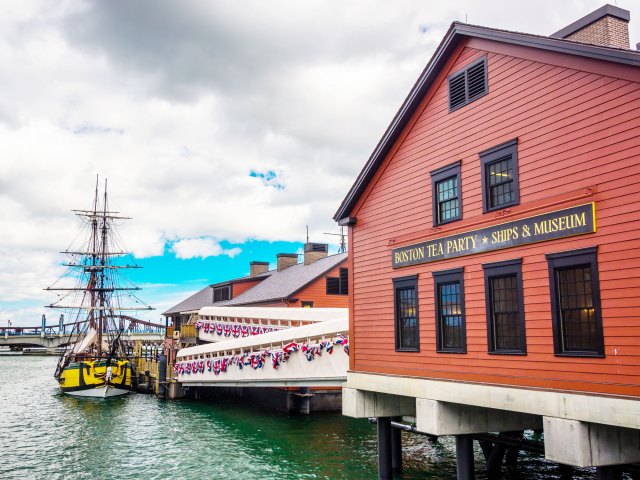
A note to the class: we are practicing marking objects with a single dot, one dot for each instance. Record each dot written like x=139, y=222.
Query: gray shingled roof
x=196, y=301
x=285, y=283
x=276, y=286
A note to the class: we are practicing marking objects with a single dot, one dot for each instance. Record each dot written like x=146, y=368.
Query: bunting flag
x=257, y=360
x=235, y=330
x=344, y=341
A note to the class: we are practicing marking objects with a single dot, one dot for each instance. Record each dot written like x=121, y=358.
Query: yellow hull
x=92, y=378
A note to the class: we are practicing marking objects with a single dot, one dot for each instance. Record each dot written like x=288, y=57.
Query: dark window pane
x=344, y=281
x=448, y=202
x=505, y=312
x=406, y=308
x=450, y=317
x=576, y=309
x=500, y=181
x=333, y=286
x=221, y=293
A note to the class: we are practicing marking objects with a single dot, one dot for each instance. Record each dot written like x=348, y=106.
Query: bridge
x=52, y=337
x=312, y=354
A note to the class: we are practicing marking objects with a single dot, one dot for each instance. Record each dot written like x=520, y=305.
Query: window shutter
x=468, y=85
x=457, y=96
x=344, y=281
x=476, y=80
x=333, y=286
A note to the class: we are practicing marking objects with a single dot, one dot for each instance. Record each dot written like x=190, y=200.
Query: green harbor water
x=47, y=435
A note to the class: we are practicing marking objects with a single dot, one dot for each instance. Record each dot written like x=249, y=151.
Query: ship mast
x=101, y=274
x=92, y=274
x=103, y=258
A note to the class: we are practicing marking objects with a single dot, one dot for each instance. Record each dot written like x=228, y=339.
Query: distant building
x=320, y=280
x=494, y=241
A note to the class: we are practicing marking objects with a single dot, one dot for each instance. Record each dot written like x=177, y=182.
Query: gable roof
x=283, y=284
x=194, y=302
x=276, y=286
x=204, y=297
x=454, y=36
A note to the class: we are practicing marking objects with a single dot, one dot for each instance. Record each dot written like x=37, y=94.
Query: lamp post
x=6, y=332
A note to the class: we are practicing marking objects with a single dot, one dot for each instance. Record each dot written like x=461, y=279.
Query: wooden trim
x=488, y=157
x=410, y=281
x=567, y=259
x=455, y=275
x=438, y=176
x=501, y=269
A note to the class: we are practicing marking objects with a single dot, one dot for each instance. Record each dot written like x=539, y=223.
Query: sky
x=224, y=128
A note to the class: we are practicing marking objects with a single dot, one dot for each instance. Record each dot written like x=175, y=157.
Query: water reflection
x=45, y=434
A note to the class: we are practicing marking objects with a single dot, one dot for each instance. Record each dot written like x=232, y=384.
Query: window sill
x=508, y=352
x=501, y=207
x=580, y=354
x=415, y=350
x=447, y=222
x=452, y=351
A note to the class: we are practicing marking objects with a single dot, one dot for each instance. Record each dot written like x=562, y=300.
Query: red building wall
x=241, y=287
x=316, y=292
x=578, y=131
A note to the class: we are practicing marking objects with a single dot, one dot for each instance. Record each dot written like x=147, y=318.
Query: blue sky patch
x=269, y=178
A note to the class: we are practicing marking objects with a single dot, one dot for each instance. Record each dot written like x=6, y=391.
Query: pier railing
x=216, y=324
x=311, y=355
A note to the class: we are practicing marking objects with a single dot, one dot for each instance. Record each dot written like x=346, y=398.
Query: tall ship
x=99, y=298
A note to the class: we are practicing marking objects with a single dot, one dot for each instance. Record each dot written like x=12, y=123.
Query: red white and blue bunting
x=235, y=330
x=258, y=360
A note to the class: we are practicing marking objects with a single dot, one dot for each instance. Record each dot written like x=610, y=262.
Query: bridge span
x=34, y=337
x=314, y=354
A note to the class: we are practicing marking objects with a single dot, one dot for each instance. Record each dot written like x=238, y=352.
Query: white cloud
x=201, y=248
x=177, y=102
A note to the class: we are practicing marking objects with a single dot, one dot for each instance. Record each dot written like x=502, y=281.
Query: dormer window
x=221, y=294
x=468, y=84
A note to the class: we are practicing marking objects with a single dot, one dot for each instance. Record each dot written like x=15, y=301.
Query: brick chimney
x=256, y=268
x=315, y=251
x=286, y=260
x=608, y=26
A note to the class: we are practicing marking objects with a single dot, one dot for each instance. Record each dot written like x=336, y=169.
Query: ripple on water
x=45, y=434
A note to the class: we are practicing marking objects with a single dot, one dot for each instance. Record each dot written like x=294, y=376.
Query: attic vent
x=468, y=85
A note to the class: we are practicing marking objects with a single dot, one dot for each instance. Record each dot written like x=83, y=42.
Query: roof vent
x=608, y=26
x=468, y=85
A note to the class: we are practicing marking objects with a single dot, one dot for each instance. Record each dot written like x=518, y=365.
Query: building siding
x=316, y=292
x=240, y=287
x=578, y=142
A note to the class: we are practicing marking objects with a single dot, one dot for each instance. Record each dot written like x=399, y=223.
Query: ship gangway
x=306, y=347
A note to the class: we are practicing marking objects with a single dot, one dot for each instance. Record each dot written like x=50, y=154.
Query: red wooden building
x=494, y=239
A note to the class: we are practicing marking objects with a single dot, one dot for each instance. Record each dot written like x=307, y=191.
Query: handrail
x=268, y=340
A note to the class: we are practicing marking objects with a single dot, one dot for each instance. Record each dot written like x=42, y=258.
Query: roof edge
x=457, y=31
